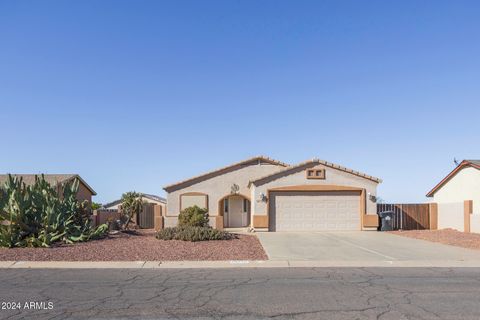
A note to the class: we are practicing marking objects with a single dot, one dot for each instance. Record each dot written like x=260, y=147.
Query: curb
x=236, y=264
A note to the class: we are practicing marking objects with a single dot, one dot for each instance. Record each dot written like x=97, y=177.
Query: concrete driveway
x=358, y=246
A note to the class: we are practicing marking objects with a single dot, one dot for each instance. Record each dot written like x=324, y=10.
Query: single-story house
x=148, y=198
x=267, y=194
x=154, y=207
x=462, y=183
x=85, y=192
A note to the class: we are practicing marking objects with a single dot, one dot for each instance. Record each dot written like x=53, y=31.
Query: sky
x=135, y=95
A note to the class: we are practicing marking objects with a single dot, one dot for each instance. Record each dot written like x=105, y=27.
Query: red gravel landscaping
x=445, y=236
x=140, y=247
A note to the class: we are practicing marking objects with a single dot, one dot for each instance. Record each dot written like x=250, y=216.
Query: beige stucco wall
x=475, y=222
x=451, y=215
x=220, y=186
x=332, y=177
x=465, y=185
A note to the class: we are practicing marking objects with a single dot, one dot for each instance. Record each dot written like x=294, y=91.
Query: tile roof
x=222, y=170
x=463, y=164
x=475, y=162
x=316, y=161
x=144, y=195
x=154, y=197
x=53, y=179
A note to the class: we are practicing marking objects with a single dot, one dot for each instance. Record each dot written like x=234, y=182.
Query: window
x=191, y=199
x=225, y=205
x=315, y=174
x=245, y=205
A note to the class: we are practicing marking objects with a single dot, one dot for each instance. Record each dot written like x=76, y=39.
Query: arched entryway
x=235, y=210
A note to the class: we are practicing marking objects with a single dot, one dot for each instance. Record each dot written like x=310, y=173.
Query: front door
x=236, y=212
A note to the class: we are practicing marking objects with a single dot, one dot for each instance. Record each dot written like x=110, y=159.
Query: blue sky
x=134, y=95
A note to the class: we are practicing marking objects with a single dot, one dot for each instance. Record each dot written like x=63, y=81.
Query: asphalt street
x=276, y=293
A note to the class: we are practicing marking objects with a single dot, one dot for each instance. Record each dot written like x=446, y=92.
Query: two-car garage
x=315, y=196
x=315, y=210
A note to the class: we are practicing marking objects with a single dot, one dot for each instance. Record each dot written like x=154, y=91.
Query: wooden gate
x=145, y=219
x=407, y=216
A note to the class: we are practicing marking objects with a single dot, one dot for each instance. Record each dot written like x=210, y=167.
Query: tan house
x=148, y=198
x=85, y=192
x=271, y=195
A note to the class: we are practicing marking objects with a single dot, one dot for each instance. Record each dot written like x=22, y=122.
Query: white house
x=463, y=183
x=458, y=198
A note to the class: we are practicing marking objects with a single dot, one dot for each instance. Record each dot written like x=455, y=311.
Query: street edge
x=235, y=264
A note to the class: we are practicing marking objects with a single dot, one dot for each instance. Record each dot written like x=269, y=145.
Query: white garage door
x=309, y=211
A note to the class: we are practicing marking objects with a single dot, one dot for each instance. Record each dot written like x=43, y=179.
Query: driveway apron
x=357, y=246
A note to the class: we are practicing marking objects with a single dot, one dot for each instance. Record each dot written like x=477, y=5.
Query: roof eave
x=178, y=185
x=322, y=162
x=449, y=176
x=84, y=183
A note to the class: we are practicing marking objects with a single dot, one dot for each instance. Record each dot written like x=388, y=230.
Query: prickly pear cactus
x=38, y=216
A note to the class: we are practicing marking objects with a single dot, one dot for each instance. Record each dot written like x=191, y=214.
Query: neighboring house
x=149, y=198
x=85, y=192
x=462, y=183
x=267, y=194
x=146, y=219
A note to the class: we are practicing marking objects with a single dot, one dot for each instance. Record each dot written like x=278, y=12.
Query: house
x=85, y=192
x=148, y=198
x=457, y=198
x=152, y=211
x=461, y=184
x=267, y=194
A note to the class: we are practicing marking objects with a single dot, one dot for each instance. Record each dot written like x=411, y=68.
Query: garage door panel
x=308, y=211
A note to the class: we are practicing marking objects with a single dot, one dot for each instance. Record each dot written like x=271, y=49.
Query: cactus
x=37, y=216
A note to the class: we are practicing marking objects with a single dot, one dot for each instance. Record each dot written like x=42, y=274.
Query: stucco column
x=467, y=211
x=157, y=217
x=219, y=222
x=433, y=216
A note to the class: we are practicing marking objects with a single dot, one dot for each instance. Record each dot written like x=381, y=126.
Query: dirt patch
x=140, y=246
x=445, y=236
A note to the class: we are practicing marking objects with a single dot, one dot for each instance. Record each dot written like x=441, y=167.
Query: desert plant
x=193, y=217
x=38, y=216
x=95, y=205
x=189, y=233
x=132, y=204
x=167, y=233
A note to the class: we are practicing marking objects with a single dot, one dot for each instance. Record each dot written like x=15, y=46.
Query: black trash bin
x=386, y=220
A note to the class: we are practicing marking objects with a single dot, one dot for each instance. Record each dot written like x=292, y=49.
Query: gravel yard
x=142, y=246
x=445, y=236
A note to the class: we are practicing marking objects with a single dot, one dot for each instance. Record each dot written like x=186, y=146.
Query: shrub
x=193, y=234
x=95, y=205
x=38, y=216
x=193, y=217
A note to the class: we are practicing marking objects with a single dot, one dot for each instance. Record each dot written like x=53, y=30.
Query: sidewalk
x=232, y=264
